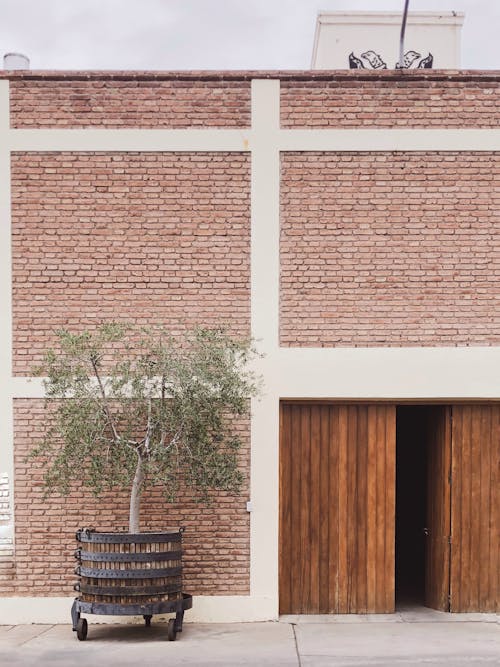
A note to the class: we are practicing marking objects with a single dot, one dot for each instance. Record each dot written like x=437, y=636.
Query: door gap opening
x=411, y=504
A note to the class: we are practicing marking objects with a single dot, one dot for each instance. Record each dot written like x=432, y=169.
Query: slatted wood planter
x=129, y=574
x=128, y=569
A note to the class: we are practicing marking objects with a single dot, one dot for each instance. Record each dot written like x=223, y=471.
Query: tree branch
x=163, y=430
x=147, y=439
x=105, y=406
x=135, y=496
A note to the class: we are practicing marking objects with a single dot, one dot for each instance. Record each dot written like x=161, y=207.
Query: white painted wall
x=340, y=33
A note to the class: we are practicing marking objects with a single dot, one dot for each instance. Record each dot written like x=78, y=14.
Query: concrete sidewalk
x=412, y=638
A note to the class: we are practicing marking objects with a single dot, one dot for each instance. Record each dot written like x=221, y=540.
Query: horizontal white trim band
x=193, y=140
x=362, y=372
x=383, y=373
x=206, y=609
x=129, y=140
x=359, y=139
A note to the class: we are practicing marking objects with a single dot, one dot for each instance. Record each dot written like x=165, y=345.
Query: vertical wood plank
x=372, y=510
x=315, y=509
x=343, y=510
x=295, y=486
x=456, y=511
x=361, y=516
x=305, y=509
x=351, y=507
x=465, y=532
x=282, y=532
x=285, y=527
x=485, y=433
x=334, y=541
x=326, y=582
x=381, y=517
x=475, y=557
x=390, y=508
x=438, y=436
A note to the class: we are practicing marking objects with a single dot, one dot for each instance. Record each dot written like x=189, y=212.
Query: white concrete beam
x=410, y=139
x=431, y=373
x=129, y=140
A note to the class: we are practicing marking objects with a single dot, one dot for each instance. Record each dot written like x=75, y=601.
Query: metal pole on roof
x=402, y=35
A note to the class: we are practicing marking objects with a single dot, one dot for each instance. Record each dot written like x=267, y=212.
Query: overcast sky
x=205, y=34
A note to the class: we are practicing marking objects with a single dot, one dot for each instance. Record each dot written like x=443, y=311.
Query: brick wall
x=386, y=102
x=390, y=249
x=114, y=103
x=216, y=541
x=312, y=99
x=150, y=238
x=377, y=249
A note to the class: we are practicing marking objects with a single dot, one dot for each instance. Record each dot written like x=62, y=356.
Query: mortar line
x=37, y=636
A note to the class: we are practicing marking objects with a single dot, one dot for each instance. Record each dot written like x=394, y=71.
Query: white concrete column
x=265, y=190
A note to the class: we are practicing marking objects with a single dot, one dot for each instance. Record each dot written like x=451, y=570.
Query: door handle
x=425, y=531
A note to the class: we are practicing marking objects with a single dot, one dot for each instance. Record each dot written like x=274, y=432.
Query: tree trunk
x=135, y=497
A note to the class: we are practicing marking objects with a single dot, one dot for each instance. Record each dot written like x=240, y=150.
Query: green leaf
x=120, y=394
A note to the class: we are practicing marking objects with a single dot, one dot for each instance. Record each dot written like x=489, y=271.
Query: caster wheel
x=82, y=629
x=147, y=620
x=171, y=630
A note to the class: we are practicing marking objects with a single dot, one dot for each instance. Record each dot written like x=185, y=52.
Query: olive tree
x=130, y=407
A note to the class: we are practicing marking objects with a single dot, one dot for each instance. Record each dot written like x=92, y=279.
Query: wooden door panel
x=328, y=462
x=475, y=513
x=437, y=569
x=337, y=485
x=388, y=518
x=286, y=509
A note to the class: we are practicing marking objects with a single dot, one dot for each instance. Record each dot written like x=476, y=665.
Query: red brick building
x=350, y=222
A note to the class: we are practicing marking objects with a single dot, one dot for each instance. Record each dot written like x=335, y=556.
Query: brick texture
x=129, y=104
x=386, y=103
x=390, y=249
x=376, y=250
x=149, y=238
x=216, y=541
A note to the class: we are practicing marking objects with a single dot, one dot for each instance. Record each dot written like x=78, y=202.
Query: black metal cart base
x=146, y=610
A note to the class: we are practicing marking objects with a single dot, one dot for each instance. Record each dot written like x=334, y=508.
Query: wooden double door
x=338, y=505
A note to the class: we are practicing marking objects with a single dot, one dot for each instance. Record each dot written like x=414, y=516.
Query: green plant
x=130, y=407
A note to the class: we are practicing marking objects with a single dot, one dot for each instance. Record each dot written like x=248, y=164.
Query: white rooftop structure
x=370, y=40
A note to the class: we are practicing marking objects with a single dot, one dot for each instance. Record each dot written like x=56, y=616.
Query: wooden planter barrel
x=129, y=574
x=129, y=569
